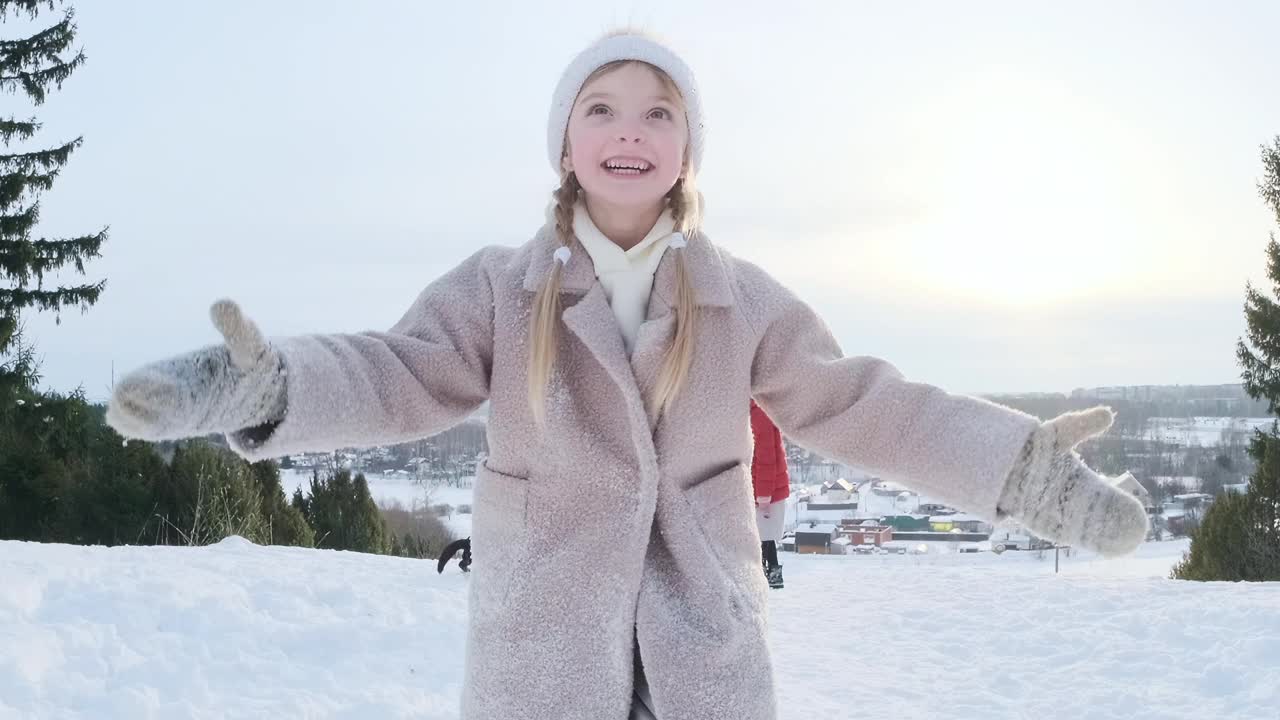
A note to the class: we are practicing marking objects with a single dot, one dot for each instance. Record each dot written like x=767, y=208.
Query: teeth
x=626, y=165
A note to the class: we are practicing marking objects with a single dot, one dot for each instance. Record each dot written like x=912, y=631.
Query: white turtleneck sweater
x=626, y=275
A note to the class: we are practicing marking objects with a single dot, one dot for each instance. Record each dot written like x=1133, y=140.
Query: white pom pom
x=562, y=254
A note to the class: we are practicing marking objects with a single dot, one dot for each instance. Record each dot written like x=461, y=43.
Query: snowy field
x=240, y=631
x=391, y=489
x=1203, y=431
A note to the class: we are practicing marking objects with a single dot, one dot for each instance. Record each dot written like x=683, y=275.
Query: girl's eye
x=598, y=110
x=659, y=114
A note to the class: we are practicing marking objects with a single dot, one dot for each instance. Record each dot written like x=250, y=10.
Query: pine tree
x=285, y=523
x=343, y=515
x=1218, y=545
x=1239, y=538
x=34, y=66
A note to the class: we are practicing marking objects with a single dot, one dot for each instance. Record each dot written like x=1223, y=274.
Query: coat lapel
x=590, y=318
x=652, y=341
x=710, y=289
x=593, y=322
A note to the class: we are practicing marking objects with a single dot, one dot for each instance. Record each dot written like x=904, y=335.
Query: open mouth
x=626, y=167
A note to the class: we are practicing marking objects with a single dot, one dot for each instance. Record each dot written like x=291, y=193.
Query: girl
x=619, y=349
x=772, y=488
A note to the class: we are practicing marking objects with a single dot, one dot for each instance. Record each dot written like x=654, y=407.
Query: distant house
x=898, y=547
x=815, y=538
x=958, y=522
x=836, y=491
x=1193, y=501
x=879, y=498
x=824, y=513
x=1173, y=519
x=1181, y=513
x=1130, y=484
x=865, y=533
x=907, y=523
x=838, y=484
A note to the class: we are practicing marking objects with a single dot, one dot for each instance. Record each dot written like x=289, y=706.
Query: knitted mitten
x=236, y=386
x=1057, y=497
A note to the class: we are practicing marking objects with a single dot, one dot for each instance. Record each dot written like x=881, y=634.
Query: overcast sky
x=995, y=196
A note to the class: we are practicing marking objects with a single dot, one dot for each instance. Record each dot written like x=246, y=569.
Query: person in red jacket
x=772, y=487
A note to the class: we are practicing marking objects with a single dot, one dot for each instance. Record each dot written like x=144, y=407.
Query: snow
x=388, y=490
x=819, y=529
x=957, y=517
x=235, y=630
x=1204, y=431
x=1190, y=481
x=232, y=630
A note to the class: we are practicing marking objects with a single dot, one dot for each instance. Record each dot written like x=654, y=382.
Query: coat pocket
x=498, y=532
x=723, y=508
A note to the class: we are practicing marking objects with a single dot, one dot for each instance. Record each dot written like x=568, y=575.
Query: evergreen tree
x=34, y=66
x=285, y=523
x=111, y=498
x=1239, y=538
x=1260, y=357
x=210, y=494
x=1261, y=364
x=64, y=475
x=1218, y=544
x=40, y=434
x=343, y=514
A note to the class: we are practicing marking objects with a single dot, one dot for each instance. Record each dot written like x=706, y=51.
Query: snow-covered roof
x=1181, y=479
x=958, y=517
x=823, y=515
x=1130, y=484
x=820, y=528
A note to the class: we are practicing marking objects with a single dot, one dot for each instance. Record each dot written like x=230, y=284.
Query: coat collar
x=704, y=262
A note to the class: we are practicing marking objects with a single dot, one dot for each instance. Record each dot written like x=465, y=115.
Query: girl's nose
x=629, y=138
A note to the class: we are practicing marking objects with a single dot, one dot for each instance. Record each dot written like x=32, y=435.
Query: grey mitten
x=1056, y=496
x=236, y=386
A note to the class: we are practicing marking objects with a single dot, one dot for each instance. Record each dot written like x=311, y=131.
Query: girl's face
x=626, y=138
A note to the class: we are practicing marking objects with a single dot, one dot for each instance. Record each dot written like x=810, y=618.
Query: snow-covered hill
x=240, y=631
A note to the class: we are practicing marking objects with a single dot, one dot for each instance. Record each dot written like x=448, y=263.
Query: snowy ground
x=240, y=631
x=1203, y=431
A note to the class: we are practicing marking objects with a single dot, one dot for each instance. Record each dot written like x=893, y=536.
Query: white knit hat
x=623, y=47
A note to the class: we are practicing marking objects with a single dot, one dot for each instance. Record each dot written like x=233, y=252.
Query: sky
x=994, y=196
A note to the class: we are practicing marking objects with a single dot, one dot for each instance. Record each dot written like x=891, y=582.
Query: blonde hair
x=544, y=328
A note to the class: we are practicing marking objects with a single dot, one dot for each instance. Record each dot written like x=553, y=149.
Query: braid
x=544, y=324
x=686, y=210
